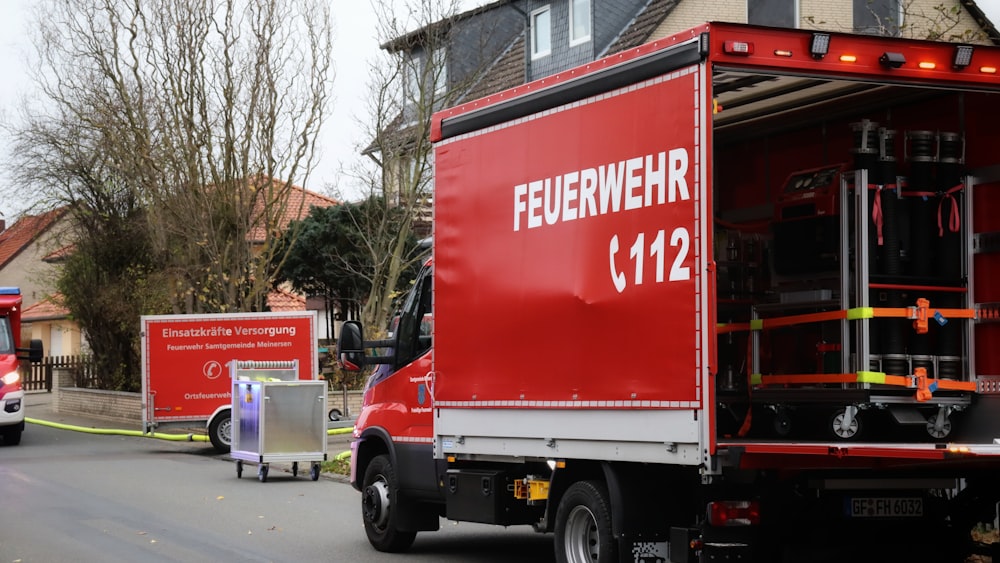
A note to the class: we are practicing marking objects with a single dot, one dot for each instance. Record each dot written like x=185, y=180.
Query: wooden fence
x=40, y=375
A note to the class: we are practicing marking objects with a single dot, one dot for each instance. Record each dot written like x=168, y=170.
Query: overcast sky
x=355, y=45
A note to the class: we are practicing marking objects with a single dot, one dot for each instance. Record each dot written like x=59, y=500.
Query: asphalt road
x=74, y=496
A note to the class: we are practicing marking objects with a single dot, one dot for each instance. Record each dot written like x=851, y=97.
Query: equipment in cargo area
x=862, y=312
x=277, y=417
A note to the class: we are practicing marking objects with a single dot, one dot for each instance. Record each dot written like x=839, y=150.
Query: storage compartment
x=486, y=496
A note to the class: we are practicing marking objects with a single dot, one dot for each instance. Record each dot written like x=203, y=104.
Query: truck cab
x=11, y=378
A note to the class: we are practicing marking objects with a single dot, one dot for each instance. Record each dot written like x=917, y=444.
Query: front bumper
x=12, y=408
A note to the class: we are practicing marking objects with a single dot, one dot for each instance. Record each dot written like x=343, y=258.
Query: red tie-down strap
x=954, y=218
x=877, y=207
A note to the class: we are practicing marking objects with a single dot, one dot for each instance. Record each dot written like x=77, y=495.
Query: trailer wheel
x=220, y=432
x=583, y=525
x=379, y=500
x=314, y=472
x=845, y=424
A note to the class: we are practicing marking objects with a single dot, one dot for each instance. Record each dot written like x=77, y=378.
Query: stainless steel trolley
x=277, y=417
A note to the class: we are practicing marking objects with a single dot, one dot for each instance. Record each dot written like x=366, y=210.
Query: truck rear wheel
x=220, y=432
x=583, y=525
x=379, y=507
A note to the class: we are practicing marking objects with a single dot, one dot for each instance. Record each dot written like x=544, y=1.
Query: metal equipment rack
x=277, y=417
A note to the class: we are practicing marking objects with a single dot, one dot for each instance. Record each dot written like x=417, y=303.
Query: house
x=27, y=260
x=511, y=42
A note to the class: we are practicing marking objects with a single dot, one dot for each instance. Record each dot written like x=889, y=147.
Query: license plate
x=885, y=507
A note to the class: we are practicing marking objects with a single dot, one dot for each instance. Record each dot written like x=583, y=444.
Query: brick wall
x=109, y=405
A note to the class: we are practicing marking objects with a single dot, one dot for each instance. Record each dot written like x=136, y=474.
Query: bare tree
x=406, y=87
x=173, y=131
x=206, y=111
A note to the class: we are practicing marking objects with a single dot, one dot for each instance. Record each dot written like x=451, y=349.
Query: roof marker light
x=848, y=59
x=963, y=56
x=737, y=47
x=892, y=60
x=988, y=69
x=926, y=65
x=782, y=53
x=820, y=45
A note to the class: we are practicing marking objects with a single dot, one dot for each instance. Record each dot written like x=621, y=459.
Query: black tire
x=314, y=472
x=295, y=469
x=262, y=473
x=583, y=525
x=239, y=469
x=379, y=501
x=12, y=436
x=334, y=415
x=220, y=432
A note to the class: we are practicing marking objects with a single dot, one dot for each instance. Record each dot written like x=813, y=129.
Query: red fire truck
x=11, y=387
x=723, y=297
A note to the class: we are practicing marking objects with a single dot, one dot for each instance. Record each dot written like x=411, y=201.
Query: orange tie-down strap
x=918, y=381
x=919, y=313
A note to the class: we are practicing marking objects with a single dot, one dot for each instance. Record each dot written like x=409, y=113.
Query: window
x=440, y=70
x=877, y=17
x=541, y=32
x=579, y=21
x=775, y=13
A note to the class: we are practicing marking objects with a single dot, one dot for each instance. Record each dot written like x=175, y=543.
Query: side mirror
x=34, y=351
x=350, y=346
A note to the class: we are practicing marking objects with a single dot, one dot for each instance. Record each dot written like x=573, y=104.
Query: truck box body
x=588, y=223
x=732, y=289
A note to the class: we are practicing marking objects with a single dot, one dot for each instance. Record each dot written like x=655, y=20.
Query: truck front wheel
x=220, y=432
x=583, y=525
x=379, y=507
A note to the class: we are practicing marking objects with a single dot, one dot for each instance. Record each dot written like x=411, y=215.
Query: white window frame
x=535, y=14
x=583, y=5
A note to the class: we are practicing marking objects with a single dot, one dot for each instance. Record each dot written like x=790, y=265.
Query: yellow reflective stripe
x=756, y=324
x=859, y=313
x=871, y=377
x=755, y=379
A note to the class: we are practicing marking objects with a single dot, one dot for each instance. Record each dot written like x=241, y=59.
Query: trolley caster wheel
x=939, y=426
x=334, y=415
x=295, y=469
x=845, y=424
x=314, y=472
x=782, y=424
x=239, y=469
x=262, y=473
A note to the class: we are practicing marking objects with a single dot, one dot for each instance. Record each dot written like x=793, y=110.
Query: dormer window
x=541, y=32
x=579, y=21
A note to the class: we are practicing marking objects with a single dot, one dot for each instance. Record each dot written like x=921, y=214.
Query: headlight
x=11, y=378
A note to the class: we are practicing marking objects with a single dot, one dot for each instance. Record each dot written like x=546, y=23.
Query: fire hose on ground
x=190, y=437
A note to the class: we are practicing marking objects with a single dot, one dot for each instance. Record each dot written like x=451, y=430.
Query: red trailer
x=725, y=296
x=186, y=363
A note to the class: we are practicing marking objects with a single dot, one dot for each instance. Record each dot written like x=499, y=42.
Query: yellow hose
x=141, y=434
x=119, y=432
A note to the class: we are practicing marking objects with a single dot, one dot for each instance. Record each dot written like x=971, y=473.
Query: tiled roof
x=296, y=208
x=981, y=20
x=644, y=24
x=50, y=308
x=283, y=300
x=22, y=233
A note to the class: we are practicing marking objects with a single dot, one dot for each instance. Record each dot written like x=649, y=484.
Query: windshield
x=6, y=337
